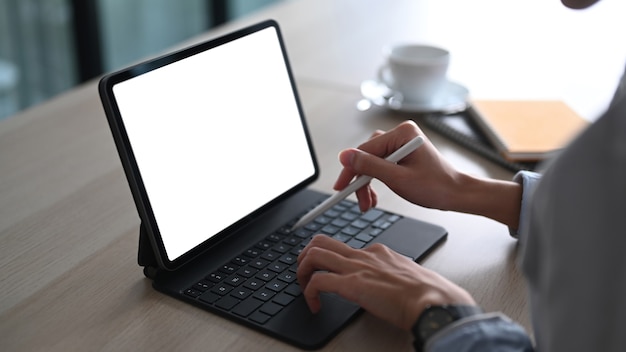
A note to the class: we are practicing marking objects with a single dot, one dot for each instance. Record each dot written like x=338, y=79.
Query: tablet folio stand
x=145, y=255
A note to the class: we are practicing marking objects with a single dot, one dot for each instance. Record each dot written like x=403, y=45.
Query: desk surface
x=68, y=225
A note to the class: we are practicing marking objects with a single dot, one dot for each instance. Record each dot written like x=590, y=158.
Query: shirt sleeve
x=485, y=332
x=529, y=181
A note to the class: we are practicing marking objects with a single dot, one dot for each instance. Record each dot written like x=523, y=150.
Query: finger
x=318, y=258
x=377, y=133
x=371, y=165
x=324, y=282
x=383, y=144
x=367, y=198
x=347, y=175
x=325, y=242
x=343, y=180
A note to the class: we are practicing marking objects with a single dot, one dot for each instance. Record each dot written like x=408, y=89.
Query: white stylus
x=360, y=181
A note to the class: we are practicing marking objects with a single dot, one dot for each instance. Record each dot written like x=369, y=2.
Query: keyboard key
x=283, y=299
x=294, y=268
x=323, y=220
x=227, y=302
x=281, y=248
x=379, y=223
x=276, y=285
x=331, y=213
x=356, y=244
x=252, y=253
x=302, y=233
x=343, y=206
x=330, y=229
x=221, y=289
x=264, y=245
x=274, y=237
x=376, y=232
x=364, y=237
x=216, y=277
x=247, y=271
x=247, y=306
x=270, y=255
x=240, y=261
x=265, y=275
x=264, y=294
x=259, y=317
x=254, y=284
x=203, y=285
x=192, y=292
x=229, y=268
x=305, y=242
x=235, y=280
x=288, y=259
x=240, y=293
x=297, y=250
x=294, y=290
x=350, y=231
x=292, y=241
x=342, y=237
x=313, y=226
x=209, y=297
x=277, y=267
x=286, y=230
x=340, y=223
x=353, y=206
x=271, y=308
x=287, y=277
x=393, y=218
x=259, y=263
x=359, y=224
x=350, y=216
x=371, y=215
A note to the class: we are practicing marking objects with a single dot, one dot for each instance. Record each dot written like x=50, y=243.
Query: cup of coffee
x=417, y=72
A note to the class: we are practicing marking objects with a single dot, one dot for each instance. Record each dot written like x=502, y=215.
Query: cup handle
x=384, y=76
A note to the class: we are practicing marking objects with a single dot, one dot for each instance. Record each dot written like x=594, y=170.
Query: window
x=49, y=46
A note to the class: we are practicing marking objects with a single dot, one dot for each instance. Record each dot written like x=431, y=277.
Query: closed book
x=461, y=128
x=527, y=130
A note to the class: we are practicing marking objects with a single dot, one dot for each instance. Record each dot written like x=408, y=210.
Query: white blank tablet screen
x=216, y=136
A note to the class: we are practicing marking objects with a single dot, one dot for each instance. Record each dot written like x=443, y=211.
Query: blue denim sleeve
x=529, y=181
x=485, y=332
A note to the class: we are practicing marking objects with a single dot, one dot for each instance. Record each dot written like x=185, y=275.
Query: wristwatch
x=435, y=318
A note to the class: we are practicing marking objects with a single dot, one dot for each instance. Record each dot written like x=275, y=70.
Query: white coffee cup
x=417, y=72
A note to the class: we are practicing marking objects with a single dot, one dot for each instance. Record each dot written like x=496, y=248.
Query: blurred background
x=49, y=46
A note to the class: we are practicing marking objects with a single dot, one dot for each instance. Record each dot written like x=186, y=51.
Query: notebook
x=461, y=128
x=218, y=157
x=527, y=130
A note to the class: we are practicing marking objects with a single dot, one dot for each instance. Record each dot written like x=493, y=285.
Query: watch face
x=433, y=320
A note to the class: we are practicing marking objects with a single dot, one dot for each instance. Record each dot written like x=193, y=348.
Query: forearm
x=496, y=199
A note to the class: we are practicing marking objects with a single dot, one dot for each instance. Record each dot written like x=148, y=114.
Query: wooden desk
x=68, y=225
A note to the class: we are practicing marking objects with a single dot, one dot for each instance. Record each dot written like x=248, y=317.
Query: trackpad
x=412, y=238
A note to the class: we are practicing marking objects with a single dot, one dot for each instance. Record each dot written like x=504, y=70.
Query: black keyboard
x=261, y=281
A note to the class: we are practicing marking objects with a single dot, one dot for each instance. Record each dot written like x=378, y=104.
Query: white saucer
x=452, y=98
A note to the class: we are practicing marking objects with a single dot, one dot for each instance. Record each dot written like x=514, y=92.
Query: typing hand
x=383, y=282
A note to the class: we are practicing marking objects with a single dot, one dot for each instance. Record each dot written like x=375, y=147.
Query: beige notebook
x=527, y=130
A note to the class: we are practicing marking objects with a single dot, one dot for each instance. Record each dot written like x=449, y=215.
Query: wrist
x=496, y=199
x=436, y=318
